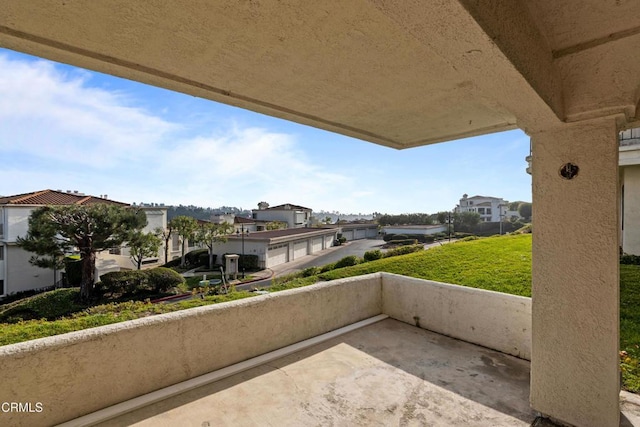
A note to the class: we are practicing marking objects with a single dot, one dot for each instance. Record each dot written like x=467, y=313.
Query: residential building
x=629, y=165
x=293, y=215
x=276, y=247
x=398, y=74
x=357, y=230
x=17, y=274
x=490, y=209
x=420, y=230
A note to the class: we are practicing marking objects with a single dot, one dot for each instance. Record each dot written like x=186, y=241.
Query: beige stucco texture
x=575, y=275
x=84, y=371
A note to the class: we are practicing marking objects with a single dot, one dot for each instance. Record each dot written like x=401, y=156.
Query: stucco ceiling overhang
x=400, y=74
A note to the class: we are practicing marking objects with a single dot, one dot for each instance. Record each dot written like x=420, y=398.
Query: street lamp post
x=242, y=233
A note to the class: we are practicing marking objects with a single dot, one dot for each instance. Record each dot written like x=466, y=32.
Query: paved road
x=356, y=247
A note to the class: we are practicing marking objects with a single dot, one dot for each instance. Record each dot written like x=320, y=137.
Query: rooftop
x=51, y=197
x=287, y=232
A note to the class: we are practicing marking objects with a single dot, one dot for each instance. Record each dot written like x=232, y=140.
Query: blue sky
x=67, y=128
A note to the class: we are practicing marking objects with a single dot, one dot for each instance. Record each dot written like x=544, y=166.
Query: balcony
x=380, y=348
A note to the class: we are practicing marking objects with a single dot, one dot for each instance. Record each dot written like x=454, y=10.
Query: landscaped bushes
x=422, y=238
x=158, y=279
x=49, y=305
x=372, y=255
x=73, y=270
x=403, y=250
x=347, y=261
x=163, y=279
x=249, y=262
x=403, y=242
x=193, y=258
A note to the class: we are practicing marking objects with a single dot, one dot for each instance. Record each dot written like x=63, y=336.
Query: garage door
x=277, y=255
x=299, y=249
x=316, y=245
x=348, y=235
x=328, y=241
x=361, y=234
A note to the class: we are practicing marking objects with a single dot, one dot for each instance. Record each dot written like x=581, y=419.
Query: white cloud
x=59, y=131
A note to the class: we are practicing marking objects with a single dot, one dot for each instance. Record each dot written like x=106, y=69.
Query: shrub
x=203, y=259
x=403, y=242
x=173, y=263
x=388, y=237
x=403, y=250
x=342, y=239
x=347, y=261
x=49, y=305
x=193, y=258
x=327, y=267
x=400, y=237
x=372, y=255
x=73, y=271
x=469, y=238
x=161, y=279
x=310, y=271
x=630, y=259
x=124, y=282
x=248, y=262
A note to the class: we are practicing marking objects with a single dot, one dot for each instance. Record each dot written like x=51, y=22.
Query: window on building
x=1, y=253
x=1, y=287
x=470, y=203
x=481, y=211
x=1, y=229
x=175, y=242
x=488, y=211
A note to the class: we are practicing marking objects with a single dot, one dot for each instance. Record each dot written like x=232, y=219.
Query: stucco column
x=574, y=364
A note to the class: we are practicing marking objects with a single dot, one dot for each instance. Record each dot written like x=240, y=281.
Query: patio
x=387, y=373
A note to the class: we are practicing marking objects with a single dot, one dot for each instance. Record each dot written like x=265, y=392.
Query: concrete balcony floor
x=387, y=373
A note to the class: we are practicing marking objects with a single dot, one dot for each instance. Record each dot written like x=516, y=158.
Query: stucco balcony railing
x=381, y=333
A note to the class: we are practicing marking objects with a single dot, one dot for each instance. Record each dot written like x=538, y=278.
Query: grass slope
x=500, y=264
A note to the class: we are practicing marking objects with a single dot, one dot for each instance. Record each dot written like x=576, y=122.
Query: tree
x=276, y=225
x=89, y=229
x=209, y=234
x=43, y=239
x=185, y=227
x=165, y=234
x=143, y=245
x=525, y=210
x=465, y=221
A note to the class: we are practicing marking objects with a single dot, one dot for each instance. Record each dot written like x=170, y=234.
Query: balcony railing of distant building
x=629, y=137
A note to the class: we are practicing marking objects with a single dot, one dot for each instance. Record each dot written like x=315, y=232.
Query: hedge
x=158, y=279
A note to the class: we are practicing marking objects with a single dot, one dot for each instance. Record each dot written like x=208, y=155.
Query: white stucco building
x=17, y=274
x=279, y=246
x=293, y=215
x=629, y=161
x=490, y=209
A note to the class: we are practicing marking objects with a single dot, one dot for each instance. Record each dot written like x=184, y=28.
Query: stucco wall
x=630, y=177
x=80, y=372
x=21, y=275
x=491, y=319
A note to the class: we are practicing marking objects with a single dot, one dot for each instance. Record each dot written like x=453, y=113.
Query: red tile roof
x=51, y=197
x=242, y=220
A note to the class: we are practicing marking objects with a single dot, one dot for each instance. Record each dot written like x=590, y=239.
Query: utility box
x=233, y=260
